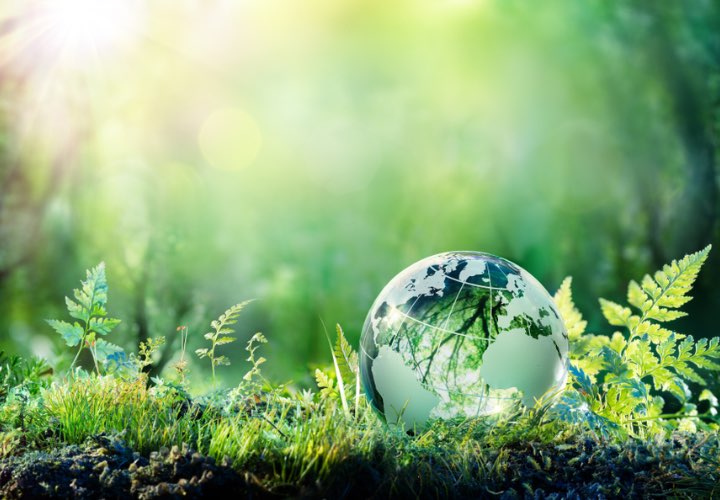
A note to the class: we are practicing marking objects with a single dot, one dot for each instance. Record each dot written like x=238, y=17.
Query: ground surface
x=582, y=468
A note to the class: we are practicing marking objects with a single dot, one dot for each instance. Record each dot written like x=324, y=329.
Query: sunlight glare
x=85, y=28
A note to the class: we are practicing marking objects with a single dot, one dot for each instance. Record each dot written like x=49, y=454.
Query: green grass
x=295, y=442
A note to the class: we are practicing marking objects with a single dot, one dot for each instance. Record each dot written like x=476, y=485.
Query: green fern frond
x=347, y=359
x=581, y=343
x=221, y=334
x=650, y=358
x=347, y=374
x=572, y=318
x=89, y=308
x=325, y=384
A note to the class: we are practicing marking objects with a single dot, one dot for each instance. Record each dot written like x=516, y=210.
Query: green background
x=304, y=152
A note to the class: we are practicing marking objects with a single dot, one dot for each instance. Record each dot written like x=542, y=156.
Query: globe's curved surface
x=461, y=333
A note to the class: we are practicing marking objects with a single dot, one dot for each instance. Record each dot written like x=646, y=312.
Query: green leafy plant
x=181, y=366
x=252, y=346
x=146, y=350
x=347, y=373
x=93, y=323
x=617, y=380
x=221, y=334
x=16, y=371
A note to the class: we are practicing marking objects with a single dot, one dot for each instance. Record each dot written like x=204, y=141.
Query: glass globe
x=461, y=334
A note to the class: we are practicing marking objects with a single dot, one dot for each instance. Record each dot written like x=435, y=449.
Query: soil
x=684, y=466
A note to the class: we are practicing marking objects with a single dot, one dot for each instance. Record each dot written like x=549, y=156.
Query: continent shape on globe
x=461, y=333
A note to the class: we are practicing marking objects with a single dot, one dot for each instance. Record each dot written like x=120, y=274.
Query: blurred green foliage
x=303, y=153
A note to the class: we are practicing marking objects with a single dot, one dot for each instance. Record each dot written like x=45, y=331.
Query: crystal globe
x=461, y=334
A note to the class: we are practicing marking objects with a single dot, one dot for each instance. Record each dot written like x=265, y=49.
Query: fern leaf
x=640, y=357
x=574, y=409
x=325, y=384
x=616, y=314
x=617, y=342
x=637, y=297
x=347, y=359
x=656, y=333
x=103, y=326
x=221, y=361
x=230, y=316
x=616, y=368
x=72, y=334
x=92, y=295
x=76, y=310
x=572, y=318
x=338, y=375
x=668, y=289
x=104, y=349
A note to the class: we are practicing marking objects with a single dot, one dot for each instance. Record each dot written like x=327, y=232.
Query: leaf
x=225, y=340
x=201, y=352
x=347, y=359
x=103, y=349
x=670, y=286
x=76, y=310
x=72, y=334
x=641, y=358
x=637, y=297
x=338, y=374
x=616, y=314
x=573, y=408
x=93, y=292
x=103, y=326
x=615, y=367
x=229, y=317
x=221, y=360
x=325, y=384
x=584, y=384
x=118, y=362
x=617, y=342
x=572, y=318
x=656, y=333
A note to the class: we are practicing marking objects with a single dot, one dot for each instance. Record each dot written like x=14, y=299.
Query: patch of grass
x=79, y=408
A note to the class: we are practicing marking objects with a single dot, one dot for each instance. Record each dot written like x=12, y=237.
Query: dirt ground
x=684, y=466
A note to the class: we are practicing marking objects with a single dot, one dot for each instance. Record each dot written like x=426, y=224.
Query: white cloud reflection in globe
x=461, y=334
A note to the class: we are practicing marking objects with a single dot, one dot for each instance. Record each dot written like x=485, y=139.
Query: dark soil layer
x=685, y=466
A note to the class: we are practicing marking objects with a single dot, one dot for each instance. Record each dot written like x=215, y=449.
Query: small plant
x=147, y=349
x=252, y=346
x=347, y=373
x=181, y=367
x=89, y=308
x=617, y=380
x=16, y=371
x=220, y=335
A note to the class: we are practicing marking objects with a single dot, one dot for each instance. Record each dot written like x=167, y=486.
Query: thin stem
x=82, y=342
x=93, y=351
x=85, y=330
